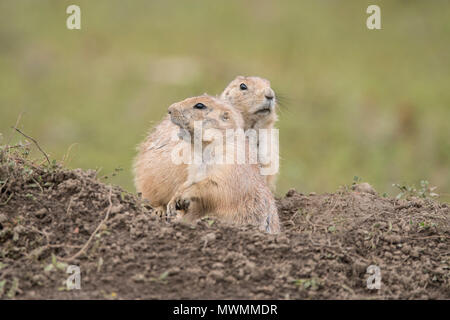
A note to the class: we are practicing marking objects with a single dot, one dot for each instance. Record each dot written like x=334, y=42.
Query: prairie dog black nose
x=269, y=94
x=170, y=109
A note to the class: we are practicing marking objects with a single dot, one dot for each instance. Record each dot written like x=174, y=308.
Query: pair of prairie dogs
x=235, y=193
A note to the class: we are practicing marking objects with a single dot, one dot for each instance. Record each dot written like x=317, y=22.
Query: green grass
x=375, y=104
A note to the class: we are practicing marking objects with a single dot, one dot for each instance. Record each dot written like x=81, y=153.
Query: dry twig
x=35, y=142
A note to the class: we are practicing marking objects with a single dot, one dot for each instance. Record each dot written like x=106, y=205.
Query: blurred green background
x=373, y=104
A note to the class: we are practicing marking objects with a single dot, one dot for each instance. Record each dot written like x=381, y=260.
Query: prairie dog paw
x=177, y=207
x=159, y=212
x=173, y=213
x=182, y=204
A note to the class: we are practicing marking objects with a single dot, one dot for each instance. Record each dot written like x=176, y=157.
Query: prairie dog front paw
x=159, y=212
x=177, y=207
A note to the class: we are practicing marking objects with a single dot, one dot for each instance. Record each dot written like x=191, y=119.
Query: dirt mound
x=51, y=217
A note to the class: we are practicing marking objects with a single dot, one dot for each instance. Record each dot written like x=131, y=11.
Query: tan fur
x=157, y=178
x=257, y=110
x=235, y=193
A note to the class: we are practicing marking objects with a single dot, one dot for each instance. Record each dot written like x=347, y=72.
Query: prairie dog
x=156, y=177
x=236, y=193
x=256, y=101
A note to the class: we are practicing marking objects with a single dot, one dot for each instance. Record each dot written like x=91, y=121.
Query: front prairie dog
x=235, y=193
x=156, y=177
x=256, y=101
x=155, y=174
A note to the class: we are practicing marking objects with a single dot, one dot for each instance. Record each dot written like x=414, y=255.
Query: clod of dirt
x=51, y=218
x=364, y=188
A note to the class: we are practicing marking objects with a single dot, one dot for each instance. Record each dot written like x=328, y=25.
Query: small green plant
x=30, y=196
x=113, y=174
x=425, y=190
x=426, y=225
x=117, y=171
x=312, y=283
x=356, y=180
x=162, y=278
x=331, y=229
x=345, y=188
x=55, y=264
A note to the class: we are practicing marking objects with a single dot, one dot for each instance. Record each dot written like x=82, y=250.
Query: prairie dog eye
x=200, y=106
x=243, y=86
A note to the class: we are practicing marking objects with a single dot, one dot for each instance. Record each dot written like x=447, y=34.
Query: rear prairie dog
x=235, y=193
x=256, y=101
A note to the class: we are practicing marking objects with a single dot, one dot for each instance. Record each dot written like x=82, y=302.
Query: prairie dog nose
x=269, y=94
x=171, y=109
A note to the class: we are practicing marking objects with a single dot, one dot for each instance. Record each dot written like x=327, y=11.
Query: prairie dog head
x=211, y=112
x=255, y=99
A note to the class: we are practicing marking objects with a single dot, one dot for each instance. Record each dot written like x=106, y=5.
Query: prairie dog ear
x=225, y=116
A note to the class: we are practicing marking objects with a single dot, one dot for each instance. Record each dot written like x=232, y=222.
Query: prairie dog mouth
x=183, y=131
x=178, y=120
x=264, y=110
x=266, y=107
x=175, y=120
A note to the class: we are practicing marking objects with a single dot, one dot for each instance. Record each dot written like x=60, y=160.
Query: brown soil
x=48, y=214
